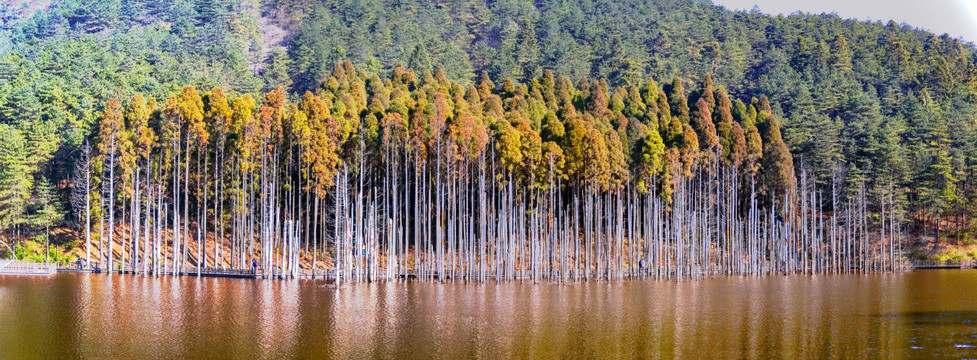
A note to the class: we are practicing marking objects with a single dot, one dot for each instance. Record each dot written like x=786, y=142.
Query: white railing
x=27, y=268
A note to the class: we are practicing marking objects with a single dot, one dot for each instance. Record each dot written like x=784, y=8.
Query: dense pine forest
x=455, y=139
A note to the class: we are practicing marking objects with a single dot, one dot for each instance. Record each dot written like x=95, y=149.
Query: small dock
x=959, y=264
x=185, y=271
x=15, y=267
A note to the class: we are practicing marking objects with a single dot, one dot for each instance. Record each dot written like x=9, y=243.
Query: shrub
x=951, y=254
x=33, y=251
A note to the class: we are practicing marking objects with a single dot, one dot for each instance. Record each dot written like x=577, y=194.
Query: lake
x=919, y=314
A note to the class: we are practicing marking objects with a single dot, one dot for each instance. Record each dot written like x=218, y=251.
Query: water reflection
x=914, y=315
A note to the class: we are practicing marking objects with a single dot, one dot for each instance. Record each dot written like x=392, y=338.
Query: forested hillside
x=876, y=109
x=60, y=61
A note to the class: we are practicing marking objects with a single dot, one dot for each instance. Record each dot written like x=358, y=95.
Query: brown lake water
x=920, y=314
